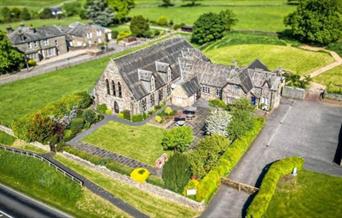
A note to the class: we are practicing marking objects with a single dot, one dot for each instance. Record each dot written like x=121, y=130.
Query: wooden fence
x=42, y=158
x=239, y=186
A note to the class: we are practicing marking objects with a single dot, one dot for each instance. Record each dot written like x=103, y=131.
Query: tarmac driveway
x=296, y=128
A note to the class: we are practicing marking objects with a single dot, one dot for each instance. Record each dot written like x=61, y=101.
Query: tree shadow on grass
x=338, y=154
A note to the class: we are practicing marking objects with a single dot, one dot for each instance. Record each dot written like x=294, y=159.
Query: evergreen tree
x=6, y=14
x=10, y=58
x=99, y=12
x=25, y=14
x=317, y=21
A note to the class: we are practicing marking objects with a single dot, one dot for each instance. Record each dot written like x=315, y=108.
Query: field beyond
x=142, y=143
x=309, y=194
x=332, y=79
x=289, y=58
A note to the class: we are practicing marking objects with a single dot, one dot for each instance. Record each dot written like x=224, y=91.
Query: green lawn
x=26, y=96
x=39, y=180
x=149, y=204
x=332, y=79
x=31, y=4
x=309, y=195
x=252, y=14
x=142, y=143
x=289, y=58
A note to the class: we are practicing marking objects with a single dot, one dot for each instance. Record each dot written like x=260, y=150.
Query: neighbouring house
x=87, y=35
x=173, y=71
x=56, y=11
x=39, y=43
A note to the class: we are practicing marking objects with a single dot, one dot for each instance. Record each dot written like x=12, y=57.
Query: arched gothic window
x=113, y=87
x=119, y=90
x=108, y=88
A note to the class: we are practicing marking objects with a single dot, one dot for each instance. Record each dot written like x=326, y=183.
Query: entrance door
x=116, y=107
x=253, y=99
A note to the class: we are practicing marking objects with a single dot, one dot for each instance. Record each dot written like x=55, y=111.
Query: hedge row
x=277, y=170
x=209, y=184
x=6, y=139
x=111, y=165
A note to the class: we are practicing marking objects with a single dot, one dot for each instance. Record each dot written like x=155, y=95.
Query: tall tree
x=99, y=12
x=139, y=25
x=177, y=138
x=6, y=14
x=10, y=58
x=317, y=21
x=228, y=19
x=25, y=14
x=121, y=8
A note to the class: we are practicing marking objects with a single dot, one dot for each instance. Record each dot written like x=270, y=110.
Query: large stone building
x=39, y=43
x=173, y=71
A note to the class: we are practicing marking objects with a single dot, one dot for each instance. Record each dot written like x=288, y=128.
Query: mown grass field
x=31, y=4
x=26, y=96
x=39, y=180
x=289, y=58
x=332, y=79
x=141, y=143
x=252, y=14
x=151, y=205
x=310, y=194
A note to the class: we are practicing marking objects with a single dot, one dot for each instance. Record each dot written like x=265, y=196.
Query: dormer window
x=153, y=84
x=169, y=75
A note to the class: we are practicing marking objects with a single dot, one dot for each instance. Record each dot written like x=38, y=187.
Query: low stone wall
x=6, y=130
x=293, y=92
x=336, y=97
x=146, y=187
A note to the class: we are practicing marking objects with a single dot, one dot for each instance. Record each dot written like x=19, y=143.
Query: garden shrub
x=89, y=116
x=76, y=125
x=162, y=21
x=217, y=103
x=168, y=111
x=140, y=175
x=6, y=139
x=178, y=138
x=31, y=63
x=158, y=119
x=68, y=135
x=138, y=117
x=126, y=114
x=121, y=115
x=101, y=108
x=268, y=186
x=192, y=184
x=176, y=172
x=85, y=100
x=109, y=111
x=209, y=184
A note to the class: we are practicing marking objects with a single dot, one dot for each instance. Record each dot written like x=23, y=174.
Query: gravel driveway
x=296, y=128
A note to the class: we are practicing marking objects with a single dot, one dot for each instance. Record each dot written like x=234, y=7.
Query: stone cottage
x=39, y=43
x=173, y=71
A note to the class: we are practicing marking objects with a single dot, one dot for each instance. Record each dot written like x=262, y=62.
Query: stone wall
x=336, y=97
x=146, y=187
x=292, y=92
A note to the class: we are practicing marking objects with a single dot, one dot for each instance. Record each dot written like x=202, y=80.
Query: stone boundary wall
x=336, y=97
x=146, y=187
x=293, y=92
x=7, y=130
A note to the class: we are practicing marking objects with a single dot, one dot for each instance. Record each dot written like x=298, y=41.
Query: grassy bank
x=151, y=205
x=309, y=194
x=289, y=58
x=332, y=79
x=39, y=180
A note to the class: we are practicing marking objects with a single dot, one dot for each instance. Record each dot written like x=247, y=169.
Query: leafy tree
x=295, y=80
x=89, y=116
x=191, y=2
x=15, y=14
x=178, y=138
x=210, y=26
x=10, y=58
x=317, y=21
x=241, y=104
x=176, y=172
x=121, y=8
x=99, y=12
x=228, y=19
x=25, y=14
x=72, y=8
x=45, y=14
x=242, y=121
x=217, y=122
x=139, y=25
x=6, y=14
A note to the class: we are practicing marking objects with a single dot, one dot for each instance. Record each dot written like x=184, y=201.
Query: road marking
x=2, y=214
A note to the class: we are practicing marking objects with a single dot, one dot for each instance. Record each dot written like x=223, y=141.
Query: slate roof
x=169, y=52
x=79, y=29
x=258, y=65
x=191, y=87
x=28, y=34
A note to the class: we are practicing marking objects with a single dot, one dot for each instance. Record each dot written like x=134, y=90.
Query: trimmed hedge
x=209, y=184
x=6, y=139
x=268, y=186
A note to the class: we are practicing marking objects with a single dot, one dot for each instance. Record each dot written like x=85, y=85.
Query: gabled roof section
x=246, y=82
x=145, y=75
x=161, y=67
x=191, y=87
x=26, y=34
x=257, y=64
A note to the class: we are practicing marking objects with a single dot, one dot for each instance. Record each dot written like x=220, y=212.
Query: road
x=15, y=204
x=296, y=128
